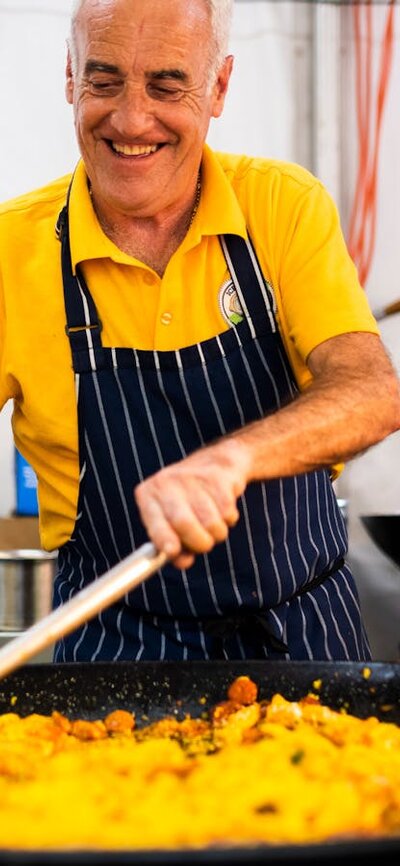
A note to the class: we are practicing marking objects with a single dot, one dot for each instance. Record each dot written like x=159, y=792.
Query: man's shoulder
x=242, y=167
x=37, y=201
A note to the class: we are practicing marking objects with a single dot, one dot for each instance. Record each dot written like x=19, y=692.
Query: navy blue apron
x=279, y=586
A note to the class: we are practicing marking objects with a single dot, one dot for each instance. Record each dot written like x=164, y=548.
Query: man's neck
x=152, y=240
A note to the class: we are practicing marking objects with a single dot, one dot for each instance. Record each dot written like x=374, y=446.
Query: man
x=225, y=358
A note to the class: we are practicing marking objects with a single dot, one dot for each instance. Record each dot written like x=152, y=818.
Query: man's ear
x=221, y=86
x=69, y=79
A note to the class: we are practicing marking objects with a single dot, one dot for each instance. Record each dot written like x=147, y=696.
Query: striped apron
x=278, y=586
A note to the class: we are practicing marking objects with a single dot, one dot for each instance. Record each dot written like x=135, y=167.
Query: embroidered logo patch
x=229, y=304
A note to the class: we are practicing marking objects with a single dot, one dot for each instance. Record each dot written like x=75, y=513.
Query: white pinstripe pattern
x=299, y=544
x=72, y=590
x=88, y=332
x=165, y=594
x=304, y=628
x=140, y=636
x=83, y=580
x=334, y=620
x=232, y=573
x=317, y=500
x=113, y=458
x=135, y=455
x=129, y=427
x=211, y=584
x=279, y=624
x=188, y=399
x=310, y=535
x=170, y=409
x=242, y=653
x=60, y=647
x=268, y=373
x=231, y=382
x=149, y=416
x=178, y=633
x=294, y=545
x=253, y=558
x=285, y=535
x=292, y=389
x=253, y=386
x=211, y=392
x=102, y=638
x=102, y=498
x=119, y=629
x=339, y=524
x=271, y=541
x=79, y=642
x=162, y=635
x=326, y=482
x=100, y=546
x=328, y=654
x=345, y=609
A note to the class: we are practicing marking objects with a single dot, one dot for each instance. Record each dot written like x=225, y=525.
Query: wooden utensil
x=389, y=310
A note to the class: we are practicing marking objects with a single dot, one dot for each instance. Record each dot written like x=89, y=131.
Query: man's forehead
x=149, y=35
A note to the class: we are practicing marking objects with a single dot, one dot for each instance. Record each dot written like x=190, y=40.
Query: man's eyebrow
x=100, y=66
x=92, y=65
x=161, y=74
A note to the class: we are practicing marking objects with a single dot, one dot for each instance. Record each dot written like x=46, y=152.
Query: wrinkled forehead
x=144, y=18
x=148, y=32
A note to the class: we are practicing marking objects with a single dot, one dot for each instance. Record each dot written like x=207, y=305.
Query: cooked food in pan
x=245, y=772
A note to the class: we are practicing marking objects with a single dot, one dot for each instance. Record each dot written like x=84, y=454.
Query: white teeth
x=134, y=150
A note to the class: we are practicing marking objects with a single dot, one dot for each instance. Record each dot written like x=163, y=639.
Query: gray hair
x=221, y=12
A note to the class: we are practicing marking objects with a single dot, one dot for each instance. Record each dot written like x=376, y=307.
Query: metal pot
x=26, y=587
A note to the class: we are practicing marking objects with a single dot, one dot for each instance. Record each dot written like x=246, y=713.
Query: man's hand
x=189, y=506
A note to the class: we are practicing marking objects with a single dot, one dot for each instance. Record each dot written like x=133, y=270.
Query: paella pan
x=154, y=691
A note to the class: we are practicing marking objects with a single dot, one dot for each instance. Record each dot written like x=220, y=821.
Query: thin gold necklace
x=196, y=200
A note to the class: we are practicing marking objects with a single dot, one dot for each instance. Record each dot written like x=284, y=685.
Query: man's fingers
x=176, y=523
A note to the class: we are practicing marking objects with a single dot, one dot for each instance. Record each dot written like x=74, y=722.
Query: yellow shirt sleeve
x=296, y=228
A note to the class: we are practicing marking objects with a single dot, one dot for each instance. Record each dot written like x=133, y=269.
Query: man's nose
x=133, y=111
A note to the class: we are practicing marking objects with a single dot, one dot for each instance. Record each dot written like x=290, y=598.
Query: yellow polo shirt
x=295, y=228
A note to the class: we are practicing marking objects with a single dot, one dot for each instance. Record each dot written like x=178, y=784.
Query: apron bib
x=279, y=586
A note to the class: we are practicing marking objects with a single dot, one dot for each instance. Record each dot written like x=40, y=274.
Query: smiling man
x=144, y=85
x=191, y=358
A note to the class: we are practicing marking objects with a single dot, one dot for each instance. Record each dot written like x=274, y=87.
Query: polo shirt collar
x=218, y=213
x=87, y=238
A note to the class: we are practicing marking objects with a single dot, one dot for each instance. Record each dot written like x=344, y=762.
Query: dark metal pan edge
x=153, y=689
x=329, y=853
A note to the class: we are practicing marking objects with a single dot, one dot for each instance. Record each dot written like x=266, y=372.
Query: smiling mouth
x=134, y=149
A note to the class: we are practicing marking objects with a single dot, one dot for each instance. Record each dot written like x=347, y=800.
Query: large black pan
x=154, y=689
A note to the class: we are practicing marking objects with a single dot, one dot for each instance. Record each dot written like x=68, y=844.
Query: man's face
x=142, y=100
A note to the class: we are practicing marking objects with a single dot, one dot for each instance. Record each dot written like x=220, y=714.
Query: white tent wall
x=292, y=96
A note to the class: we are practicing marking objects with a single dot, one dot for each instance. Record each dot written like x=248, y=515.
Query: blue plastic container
x=26, y=487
